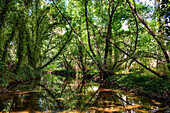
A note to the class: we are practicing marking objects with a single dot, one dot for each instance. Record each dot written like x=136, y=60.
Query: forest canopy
x=84, y=36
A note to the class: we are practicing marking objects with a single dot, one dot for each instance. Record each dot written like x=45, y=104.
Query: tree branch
x=87, y=26
x=59, y=52
x=149, y=69
x=151, y=32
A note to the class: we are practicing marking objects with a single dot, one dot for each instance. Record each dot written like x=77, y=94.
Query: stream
x=56, y=94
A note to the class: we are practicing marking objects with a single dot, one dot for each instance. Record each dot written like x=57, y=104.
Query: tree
x=113, y=10
x=38, y=32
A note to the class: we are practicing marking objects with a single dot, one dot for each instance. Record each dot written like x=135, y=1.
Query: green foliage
x=4, y=79
x=34, y=34
x=144, y=82
x=3, y=68
x=25, y=73
x=157, y=85
x=92, y=73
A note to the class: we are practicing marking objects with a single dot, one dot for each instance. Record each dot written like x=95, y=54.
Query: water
x=55, y=94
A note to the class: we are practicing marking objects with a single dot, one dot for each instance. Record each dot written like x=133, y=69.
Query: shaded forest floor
x=141, y=84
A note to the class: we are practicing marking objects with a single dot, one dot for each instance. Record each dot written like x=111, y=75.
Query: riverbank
x=55, y=93
x=5, y=90
x=139, y=83
x=9, y=77
x=142, y=84
x=27, y=74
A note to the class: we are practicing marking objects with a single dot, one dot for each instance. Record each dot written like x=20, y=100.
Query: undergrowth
x=7, y=76
x=143, y=82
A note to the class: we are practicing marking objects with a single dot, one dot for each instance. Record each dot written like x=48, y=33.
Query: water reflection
x=64, y=95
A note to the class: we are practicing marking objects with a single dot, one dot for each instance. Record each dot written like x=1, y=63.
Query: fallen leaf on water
x=132, y=106
x=82, y=94
x=107, y=90
x=111, y=105
x=92, y=108
x=129, y=107
x=110, y=110
x=59, y=99
x=157, y=103
x=153, y=100
x=137, y=105
x=133, y=97
x=107, y=101
x=100, y=109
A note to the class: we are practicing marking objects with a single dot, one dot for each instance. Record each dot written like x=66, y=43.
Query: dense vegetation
x=105, y=38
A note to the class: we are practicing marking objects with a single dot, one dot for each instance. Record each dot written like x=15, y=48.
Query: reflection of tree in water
x=21, y=99
x=110, y=100
x=76, y=95
x=65, y=94
x=70, y=94
x=79, y=95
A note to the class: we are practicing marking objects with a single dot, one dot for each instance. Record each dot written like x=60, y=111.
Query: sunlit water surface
x=55, y=94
